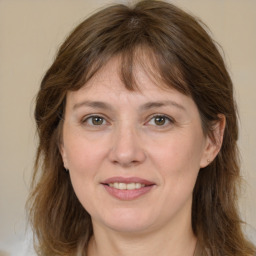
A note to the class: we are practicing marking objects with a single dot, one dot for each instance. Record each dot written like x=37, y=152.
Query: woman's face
x=133, y=157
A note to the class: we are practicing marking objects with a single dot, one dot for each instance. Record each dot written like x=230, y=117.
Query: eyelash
x=166, y=120
x=86, y=120
x=165, y=117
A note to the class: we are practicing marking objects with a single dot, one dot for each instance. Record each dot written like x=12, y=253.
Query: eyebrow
x=93, y=104
x=144, y=107
x=158, y=104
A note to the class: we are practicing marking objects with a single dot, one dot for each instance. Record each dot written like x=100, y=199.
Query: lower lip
x=125, y=194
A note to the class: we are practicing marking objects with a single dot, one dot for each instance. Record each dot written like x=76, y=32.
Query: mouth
x=127, y=188
x=124, y=186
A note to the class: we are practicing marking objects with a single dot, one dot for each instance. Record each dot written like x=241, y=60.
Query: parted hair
x=185, y=57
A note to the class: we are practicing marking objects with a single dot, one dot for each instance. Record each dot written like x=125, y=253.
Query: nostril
x=129, y=157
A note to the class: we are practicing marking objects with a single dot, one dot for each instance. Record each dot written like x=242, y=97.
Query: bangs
x=162, y=69
x=136, y=37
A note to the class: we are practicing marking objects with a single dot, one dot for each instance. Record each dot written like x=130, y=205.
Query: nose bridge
x=127, y=148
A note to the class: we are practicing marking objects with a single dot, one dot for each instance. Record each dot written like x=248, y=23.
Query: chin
x=129, y=228
x=128, y=221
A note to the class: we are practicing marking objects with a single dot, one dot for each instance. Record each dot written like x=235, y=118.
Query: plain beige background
x=30, y=33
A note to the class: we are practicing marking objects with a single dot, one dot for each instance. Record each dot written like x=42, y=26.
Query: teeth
x=121, y=185
x=129, y=186
x=132, y=186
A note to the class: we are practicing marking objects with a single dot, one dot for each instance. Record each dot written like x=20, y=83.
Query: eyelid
x=170, y=119
x=87, y=117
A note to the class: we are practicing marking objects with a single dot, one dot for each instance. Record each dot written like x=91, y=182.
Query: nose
x=127, y=149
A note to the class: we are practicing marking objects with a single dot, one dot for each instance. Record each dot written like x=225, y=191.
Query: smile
x=127, y=188
x=124, y=186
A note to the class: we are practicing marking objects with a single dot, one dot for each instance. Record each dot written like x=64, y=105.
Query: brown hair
x=185, y=58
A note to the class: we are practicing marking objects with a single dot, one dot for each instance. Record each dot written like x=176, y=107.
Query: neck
x=175, y=241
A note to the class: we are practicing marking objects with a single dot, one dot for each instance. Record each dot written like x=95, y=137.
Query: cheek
x=178, y=165
x=178, y=154
x=84, y=161
x=83, y=155
x=178, y=162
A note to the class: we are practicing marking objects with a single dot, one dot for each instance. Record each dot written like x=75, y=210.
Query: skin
x=128, y=141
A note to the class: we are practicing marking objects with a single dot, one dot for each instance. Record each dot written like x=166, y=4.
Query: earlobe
x=64, y=156
x=214, y=141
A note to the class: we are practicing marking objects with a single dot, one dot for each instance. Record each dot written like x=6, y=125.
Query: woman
x=137, y=140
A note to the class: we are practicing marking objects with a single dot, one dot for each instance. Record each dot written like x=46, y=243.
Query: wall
x=30, y=33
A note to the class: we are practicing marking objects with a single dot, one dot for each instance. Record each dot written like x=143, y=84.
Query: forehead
x=109, y=80
x=107, y=86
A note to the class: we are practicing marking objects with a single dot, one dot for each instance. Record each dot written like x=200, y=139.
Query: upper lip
x=128, y=180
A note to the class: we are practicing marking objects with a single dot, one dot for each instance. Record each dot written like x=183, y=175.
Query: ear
x=63, y=155
x=213, y=141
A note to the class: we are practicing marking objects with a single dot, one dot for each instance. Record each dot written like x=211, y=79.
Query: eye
x=94, y=121
x=160, y=120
